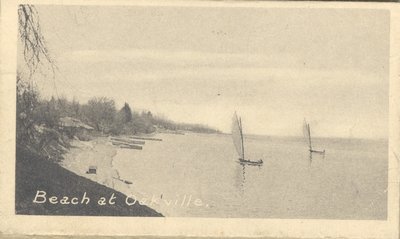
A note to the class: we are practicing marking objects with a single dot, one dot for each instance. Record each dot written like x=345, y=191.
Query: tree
x=34, y=44
x=127, y=113
x=47, y=113
x=101, y=113
x=34, y=52
x=27, y=101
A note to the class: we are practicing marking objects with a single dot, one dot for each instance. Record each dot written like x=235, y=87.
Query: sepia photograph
x=203, y=111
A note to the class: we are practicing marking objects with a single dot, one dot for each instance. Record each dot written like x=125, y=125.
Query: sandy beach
x=39, y=179
x=98, y=152
x=101, y=153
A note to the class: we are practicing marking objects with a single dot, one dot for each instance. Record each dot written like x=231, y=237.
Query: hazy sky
x=198, y=65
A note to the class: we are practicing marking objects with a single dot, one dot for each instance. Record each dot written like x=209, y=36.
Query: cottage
x=74, y=127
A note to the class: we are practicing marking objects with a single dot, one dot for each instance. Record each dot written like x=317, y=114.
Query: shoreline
x=99, y=152
x=44, y=187
x=84, y=154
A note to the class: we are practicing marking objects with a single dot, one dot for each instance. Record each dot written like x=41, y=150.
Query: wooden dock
x=130, y=141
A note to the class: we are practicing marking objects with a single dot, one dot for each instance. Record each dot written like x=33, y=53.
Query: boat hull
x=249, y=162
x=317, y=151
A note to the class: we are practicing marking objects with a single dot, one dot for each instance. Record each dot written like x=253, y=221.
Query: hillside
x=34, y=173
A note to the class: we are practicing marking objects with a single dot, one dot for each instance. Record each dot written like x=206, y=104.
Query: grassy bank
x=34, y=173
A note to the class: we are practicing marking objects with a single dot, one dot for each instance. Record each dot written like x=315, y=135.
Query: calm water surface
x=349, y=182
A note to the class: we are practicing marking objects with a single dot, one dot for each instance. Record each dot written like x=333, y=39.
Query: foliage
x=27, y=101
x=100, y=112
x=34, y=44
x=38, y=119
x=126, y=113
x=163, y=123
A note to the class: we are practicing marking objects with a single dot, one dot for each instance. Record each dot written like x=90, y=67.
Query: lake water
x=349, y=182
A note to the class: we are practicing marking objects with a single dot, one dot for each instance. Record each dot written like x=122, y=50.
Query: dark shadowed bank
x=34, y=173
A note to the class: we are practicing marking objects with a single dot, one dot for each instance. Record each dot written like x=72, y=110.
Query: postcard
x=200, y=118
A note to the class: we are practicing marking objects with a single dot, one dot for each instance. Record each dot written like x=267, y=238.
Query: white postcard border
x=114, y=226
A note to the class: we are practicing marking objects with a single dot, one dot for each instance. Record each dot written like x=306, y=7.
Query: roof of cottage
x=74, y=123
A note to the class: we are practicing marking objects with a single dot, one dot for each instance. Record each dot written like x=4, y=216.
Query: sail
x=237, y=136
x=307, y=133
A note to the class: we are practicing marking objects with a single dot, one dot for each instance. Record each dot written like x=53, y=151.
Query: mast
x=237, y=135
x=241, y=136
x=309, y=135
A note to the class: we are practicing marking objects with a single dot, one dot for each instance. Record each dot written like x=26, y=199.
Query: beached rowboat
x=127, y=145
x=131, y=146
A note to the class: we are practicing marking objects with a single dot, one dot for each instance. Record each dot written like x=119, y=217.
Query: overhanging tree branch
x=35, y=50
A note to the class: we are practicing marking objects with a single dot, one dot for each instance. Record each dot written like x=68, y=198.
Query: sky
x=275, y=67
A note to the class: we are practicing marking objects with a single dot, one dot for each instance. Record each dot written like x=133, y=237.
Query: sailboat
x=238, y=141
x=307, y=136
